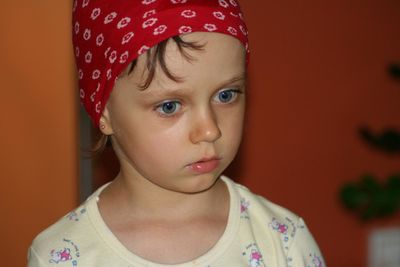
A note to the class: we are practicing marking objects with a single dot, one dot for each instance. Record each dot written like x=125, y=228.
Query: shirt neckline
x=224, y=242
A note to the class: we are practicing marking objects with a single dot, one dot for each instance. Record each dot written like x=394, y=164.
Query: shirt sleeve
x=34, y=260
x=304, y=251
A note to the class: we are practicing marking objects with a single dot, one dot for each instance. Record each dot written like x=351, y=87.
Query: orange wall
x=38, y=141
x=317, y=73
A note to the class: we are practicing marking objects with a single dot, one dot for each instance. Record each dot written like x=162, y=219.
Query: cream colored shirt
x=258, y=233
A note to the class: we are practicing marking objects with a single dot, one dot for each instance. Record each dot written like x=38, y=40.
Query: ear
x=105, y=122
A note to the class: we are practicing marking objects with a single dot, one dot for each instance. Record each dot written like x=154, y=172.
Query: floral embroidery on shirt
x=279, y=227
x=74, y=215
x=68, y=253
x=287, y=230
x=315, y=261
x=244, y=206
x=289, y=261
x=61, y=255
x=253, y=255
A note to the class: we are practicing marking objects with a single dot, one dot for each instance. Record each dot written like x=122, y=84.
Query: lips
x=205, y=165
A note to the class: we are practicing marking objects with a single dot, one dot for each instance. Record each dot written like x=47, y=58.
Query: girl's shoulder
x=270, y=223
x=264, y=217
x=259, y=207
x=63, y=240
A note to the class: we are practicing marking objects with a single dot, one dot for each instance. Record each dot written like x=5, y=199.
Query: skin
x=158, y=204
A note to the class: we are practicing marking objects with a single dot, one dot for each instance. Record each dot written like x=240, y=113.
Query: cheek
x=150, y=144
x=236, y=131
x=233, y=128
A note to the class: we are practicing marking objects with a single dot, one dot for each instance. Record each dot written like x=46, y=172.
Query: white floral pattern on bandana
x=123, y=22
x=148, y=2
x=243, y=30
x=223, y=3
x=76, y=27
x=113, y=56
x=80, y=74
x=85, y=3
x=149, y=13
x=99, y=39
x=178, y=1
x=148, y=23
x=124, y=57
x=87, y=34
x=88, y=57
x=110, y=17
x=188, y=13
x=232, y=30
x=233, y=2
x=81, y=93
x=96, y=74
x=109, y=74
x=95, y=13
x=219, y=15
x=143, y=49
x=210, y=27
x=98, y=105
x=127, y=37
x=185, y=29
x=75, y=5
x=106, y=52
x=234, y=15
x=160, y=29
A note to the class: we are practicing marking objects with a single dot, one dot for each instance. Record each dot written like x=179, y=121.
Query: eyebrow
x=241, y=77
x=165, y=91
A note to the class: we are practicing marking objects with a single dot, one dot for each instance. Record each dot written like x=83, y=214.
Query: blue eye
x=169, y=108
x=226, y=96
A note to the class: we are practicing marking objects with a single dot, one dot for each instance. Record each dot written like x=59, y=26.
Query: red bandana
x=109, y=35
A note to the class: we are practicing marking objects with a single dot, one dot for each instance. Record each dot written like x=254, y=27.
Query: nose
x=205, y=127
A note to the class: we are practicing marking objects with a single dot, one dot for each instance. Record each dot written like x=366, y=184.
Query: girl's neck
x=167, y=220
x=140, y=198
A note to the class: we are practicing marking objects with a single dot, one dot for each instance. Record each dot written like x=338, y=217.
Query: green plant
x=370, y=198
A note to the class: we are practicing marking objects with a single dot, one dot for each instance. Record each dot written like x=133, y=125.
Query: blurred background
x=322, y=123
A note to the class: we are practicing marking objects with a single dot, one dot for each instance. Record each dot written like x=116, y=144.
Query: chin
x=199, y=183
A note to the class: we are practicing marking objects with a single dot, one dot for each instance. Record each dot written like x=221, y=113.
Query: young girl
x=165, y=80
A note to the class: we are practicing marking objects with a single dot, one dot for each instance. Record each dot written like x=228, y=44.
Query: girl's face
x=180, y=136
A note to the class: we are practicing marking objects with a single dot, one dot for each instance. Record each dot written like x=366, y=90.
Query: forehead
x=221, y=58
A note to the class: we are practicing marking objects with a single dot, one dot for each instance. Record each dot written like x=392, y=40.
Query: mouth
x=205, y=165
